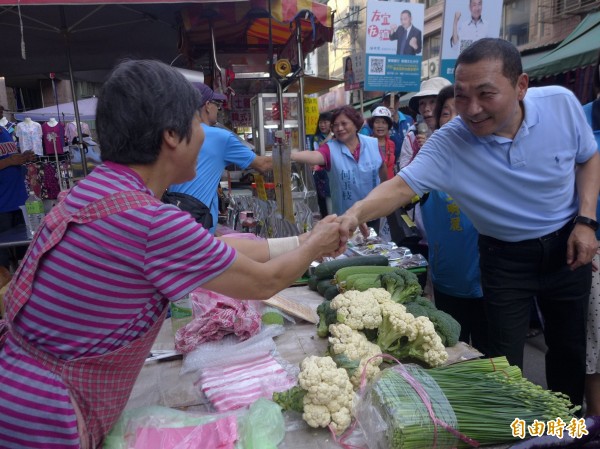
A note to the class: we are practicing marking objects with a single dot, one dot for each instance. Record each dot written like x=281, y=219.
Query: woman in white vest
x=353, y=161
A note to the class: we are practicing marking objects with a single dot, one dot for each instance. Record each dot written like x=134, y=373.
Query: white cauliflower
x=406, y=337
x=329, y=393
x=380, y=294
x=351, y=350
x=359, y=310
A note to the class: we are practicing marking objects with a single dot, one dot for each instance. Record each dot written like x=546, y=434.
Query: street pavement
x=534, y=363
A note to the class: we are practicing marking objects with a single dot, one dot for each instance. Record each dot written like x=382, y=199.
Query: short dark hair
x=445, y=93
x=355, y=116
x=406, y=11
x=139, y=101
x=322, y=116
x=494, y=49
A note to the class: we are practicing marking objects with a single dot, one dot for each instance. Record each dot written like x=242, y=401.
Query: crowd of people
x=505, y=224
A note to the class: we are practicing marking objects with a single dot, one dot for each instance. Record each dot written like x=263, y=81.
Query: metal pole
x=73, y=93
x=301, y=123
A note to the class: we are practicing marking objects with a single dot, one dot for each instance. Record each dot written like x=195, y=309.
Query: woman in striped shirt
x=92, y=291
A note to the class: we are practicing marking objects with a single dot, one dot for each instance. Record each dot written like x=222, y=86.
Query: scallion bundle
x=480, y=400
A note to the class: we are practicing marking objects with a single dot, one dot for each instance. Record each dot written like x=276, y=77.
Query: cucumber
x=327, y=270
x=343, y=274
x=331, y=292
x=323, y=285
x=312, y=283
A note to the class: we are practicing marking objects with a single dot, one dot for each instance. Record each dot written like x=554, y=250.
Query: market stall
x=160, y=383
x=428, y=397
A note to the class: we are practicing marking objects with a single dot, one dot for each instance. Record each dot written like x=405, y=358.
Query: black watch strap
x=586, y=221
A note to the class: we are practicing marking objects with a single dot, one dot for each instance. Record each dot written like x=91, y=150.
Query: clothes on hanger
x=29, y=134
x=42, y=176
x=71, y=131
x=53, y=134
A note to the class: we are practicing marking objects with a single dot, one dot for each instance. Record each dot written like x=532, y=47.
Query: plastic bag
x=399, y=407
x=263, y=427
x=219, y=434
x=211, y=353
x=259, y=427
x=237, y=384
x=131, y=419
x=215, y=316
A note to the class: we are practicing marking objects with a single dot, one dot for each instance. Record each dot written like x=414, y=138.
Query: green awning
x=579, y=49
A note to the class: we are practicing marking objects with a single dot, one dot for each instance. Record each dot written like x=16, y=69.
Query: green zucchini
x=323, y=285
x=327, y=270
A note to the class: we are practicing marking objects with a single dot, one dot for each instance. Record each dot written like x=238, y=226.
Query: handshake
x=330, y=235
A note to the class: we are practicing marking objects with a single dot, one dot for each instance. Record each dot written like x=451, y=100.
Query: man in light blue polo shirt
x=522, y=164
x=221, y=147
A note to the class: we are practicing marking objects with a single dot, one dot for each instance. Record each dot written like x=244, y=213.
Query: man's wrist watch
x=580, y=219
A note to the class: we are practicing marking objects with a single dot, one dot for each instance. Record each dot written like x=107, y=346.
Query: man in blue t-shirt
x=221, y=148
x=12, y=185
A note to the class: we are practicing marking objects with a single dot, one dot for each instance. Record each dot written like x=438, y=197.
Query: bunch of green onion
x=408, y=422
x=485, y=396
x=488, y=394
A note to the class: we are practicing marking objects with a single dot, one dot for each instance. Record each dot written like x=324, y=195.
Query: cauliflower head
x=351, y=350
x=406, y=337
x=329, y=393
x=359, y=310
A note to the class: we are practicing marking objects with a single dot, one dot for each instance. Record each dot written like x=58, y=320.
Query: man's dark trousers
x=512, y=275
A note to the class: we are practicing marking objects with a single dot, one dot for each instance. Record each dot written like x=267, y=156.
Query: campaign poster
x=353, y=71
x=466, y=21
x=394, y=46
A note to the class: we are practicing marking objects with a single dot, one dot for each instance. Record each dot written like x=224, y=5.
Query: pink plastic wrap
x=240, y=384
x=215, y=316
x=220, y=434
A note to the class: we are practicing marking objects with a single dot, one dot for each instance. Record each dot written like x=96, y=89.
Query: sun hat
x=429, y=88
x=381, y=112
x=208, y=94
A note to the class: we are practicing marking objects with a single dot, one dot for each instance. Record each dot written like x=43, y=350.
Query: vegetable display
x=405, y=337
x=488, y=394
x=327, y=270
x=406, y=422
x=351, y=350
x=324, y=394
x=480, y=400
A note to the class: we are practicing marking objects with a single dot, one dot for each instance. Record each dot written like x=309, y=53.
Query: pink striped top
x=97, y=290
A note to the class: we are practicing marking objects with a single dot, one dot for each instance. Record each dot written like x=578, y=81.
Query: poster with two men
x=395, y=34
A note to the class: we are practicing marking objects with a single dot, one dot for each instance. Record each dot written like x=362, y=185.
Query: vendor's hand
x=326, y=237
x=581, y=246
x=348, y=224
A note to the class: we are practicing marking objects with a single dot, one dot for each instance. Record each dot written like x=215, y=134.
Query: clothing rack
x=49, y=175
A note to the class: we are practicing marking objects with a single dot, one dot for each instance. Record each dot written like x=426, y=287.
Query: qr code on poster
x=376, y=65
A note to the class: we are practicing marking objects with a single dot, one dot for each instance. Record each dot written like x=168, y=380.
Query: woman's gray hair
x=139, y=101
